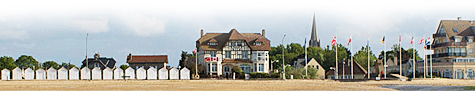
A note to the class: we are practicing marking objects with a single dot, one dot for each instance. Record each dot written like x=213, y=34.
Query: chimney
x=96, y=56
x=263, y=32
x=458, y=18
x=202, y=32
x=129, y=57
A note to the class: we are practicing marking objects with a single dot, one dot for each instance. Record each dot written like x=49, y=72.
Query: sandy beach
x=226, y=84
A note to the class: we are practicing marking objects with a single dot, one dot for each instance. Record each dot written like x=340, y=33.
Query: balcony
x=449, y=44
x=461, y=54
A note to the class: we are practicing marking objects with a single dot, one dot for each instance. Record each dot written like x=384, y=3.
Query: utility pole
x=283, y=60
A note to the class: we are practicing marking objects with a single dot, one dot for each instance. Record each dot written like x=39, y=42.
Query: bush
x=299, y=73
x=264, y=75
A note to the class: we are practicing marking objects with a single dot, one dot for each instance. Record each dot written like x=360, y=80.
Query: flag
x=334, y=41
x=305, y=43
x=383, y=39
x=412, y=40
x=422, y=41
x=428, y=41
x=399, y=39
x=194, y=51
x=350, y=40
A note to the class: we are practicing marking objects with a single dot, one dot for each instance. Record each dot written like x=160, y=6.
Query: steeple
x=314, y=40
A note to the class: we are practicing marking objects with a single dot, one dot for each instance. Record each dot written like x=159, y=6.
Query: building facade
x=453, y=50
x=146, y=61
x=220, y=52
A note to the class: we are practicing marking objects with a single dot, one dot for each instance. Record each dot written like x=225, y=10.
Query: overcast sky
x=56, y=29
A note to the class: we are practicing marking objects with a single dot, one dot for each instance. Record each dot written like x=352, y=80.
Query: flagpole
x=306, y=60
x=351, y=50
x=413, y=59
x=369, y=68
x=336, y=57
x=385, y=62
x=400, y=56
x=424, y=49
x=430, y=57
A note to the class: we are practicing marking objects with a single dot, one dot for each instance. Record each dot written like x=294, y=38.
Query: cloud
x=143, y=25
x=91, y=25
x=12, y=34
x=26, y=46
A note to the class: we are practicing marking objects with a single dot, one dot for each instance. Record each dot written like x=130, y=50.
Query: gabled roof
x=464, y=27
x=223, y=38
x=147, y=58
x=357, y=69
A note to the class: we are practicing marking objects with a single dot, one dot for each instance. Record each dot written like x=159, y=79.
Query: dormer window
x=258, y=43
x=455, y=30
x=213, y=43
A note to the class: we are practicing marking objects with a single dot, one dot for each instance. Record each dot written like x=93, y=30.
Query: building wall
x=147, y=65
x=236, y=52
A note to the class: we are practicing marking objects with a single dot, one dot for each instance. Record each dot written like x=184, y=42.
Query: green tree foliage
x=299, y=73
x=362, y=57
x=188, y=61
x=326, y=57
x=67, y=65
x=329, y=56
x=124, y=66
x=49, y=64
x=394, y=53
x=7, y=62
x=25, y=61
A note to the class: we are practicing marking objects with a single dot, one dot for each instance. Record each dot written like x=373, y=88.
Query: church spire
x=314, y=40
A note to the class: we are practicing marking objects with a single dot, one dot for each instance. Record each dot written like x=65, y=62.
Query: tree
x=25, y=61
x=188, y=61
x=329, y=56
x=124, y=66
x=49, y=64
x=7, y=62
x=67, y=65
x=361, y=57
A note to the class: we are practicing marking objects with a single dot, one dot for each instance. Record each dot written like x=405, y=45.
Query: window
x=239, y=43
x=261, y=67
x=244, y=54
x=455, y=30
x=228, y=54
x=470, y=40
x=233, y=43
x=246, y=68
x=258, y=43
x=213, y=43
x=213, y=53
x=214, y=68
x=97, y=65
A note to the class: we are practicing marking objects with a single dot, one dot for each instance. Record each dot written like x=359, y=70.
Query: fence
x=96, y=74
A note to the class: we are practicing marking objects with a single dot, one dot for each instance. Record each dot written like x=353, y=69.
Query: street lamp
x=283, y=60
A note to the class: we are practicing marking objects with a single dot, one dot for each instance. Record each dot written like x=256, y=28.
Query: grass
x=470, y=88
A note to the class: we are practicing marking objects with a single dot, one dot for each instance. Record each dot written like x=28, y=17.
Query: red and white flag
x=211, y=59
x=194, y=51
x=334, y=41
x=350, y=40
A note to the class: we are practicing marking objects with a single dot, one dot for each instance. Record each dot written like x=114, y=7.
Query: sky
x=55, y=30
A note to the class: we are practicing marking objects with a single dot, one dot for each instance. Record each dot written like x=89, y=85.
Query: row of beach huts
x=96, y=74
